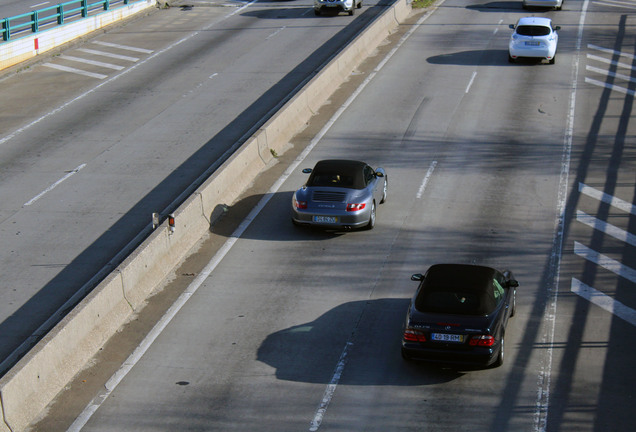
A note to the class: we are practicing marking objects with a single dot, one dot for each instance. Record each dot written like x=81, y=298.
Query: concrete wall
x=30, y=385
x=26, y=47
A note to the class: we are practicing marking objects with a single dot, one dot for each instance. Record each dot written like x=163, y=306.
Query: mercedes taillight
x=412, y=335
x=482, y=340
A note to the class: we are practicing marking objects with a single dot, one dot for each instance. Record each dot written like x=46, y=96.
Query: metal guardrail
x=53, y=16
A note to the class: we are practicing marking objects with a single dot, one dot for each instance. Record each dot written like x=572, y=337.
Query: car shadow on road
x=300, y=11
x=493, y=57
x=274, y=221
x=310, y=352
x=497, y=6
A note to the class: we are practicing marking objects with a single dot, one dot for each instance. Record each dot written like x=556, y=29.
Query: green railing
x=41, y=19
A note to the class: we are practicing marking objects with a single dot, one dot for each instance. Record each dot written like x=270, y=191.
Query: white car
x=533, y=37
x=348, y=6
x=556, y=4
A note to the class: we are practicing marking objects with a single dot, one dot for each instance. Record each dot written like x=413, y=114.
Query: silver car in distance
x=340, y=194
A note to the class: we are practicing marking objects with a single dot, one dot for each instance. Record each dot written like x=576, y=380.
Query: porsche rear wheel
x=371, y=223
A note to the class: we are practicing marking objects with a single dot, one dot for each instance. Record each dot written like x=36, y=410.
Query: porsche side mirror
x=511, y=26
x=307, y=171
x=512, y=283
x=417, y=277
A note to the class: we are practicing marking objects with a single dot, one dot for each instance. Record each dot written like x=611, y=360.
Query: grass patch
x=422, y=3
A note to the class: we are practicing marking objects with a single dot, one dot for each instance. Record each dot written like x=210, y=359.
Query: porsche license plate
x=533, y=43
x=326, y=219
x=445, y=337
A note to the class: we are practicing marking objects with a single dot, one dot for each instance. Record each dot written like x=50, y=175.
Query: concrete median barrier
x=47, y=368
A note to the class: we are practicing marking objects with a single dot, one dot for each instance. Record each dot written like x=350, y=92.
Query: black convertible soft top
x=458, y=289
x=338, y=173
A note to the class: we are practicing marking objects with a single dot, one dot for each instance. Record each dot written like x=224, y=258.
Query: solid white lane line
x=75, y=71
x=38, y=5
x=92, y=62
x=605, y=262
x=428, y=175
x=607, y=199
x=54, y=185
x=606, y=228
x=124, y=47
x=107, y=54
x=604, y=301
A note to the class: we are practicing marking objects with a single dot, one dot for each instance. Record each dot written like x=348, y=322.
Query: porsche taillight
x=301, y=205
x=355, y=207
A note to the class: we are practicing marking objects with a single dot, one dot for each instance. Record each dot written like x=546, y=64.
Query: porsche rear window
x=531, y=30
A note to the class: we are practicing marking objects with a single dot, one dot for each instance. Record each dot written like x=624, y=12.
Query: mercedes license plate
x=445, y=337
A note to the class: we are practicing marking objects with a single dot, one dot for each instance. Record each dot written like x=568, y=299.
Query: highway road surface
x=523, y=166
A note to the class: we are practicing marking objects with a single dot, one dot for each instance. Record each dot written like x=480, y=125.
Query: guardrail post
x=60, y=14
x=106, y=5
x=34, y=22
x=6, y=29
x=84, y=8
